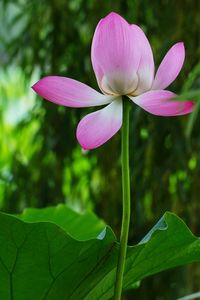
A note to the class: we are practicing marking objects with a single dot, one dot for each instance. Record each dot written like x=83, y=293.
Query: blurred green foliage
x=42, y=164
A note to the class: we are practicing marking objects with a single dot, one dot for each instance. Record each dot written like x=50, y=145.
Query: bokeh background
x=41, y=163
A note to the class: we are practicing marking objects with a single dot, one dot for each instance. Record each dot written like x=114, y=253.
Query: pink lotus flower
x=123, y=63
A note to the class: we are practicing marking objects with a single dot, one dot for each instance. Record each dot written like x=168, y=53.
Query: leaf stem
x=126, y=200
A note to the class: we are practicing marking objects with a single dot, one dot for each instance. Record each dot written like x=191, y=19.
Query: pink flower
x=123, y=63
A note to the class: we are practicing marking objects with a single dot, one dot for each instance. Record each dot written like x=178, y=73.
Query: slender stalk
x=126, y=200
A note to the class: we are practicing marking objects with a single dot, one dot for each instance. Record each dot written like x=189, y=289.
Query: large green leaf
x=80, y=226
x=40, y=260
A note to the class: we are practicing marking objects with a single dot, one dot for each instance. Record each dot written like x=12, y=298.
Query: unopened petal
x=98, y=127
x=115, y=53
x=162, y=103
x=146, y=66
x=69, y=92
x=170, y=67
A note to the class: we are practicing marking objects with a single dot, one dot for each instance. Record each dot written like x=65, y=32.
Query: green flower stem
x=126, y=200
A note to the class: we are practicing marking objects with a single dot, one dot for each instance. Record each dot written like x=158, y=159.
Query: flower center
x=118, y=83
